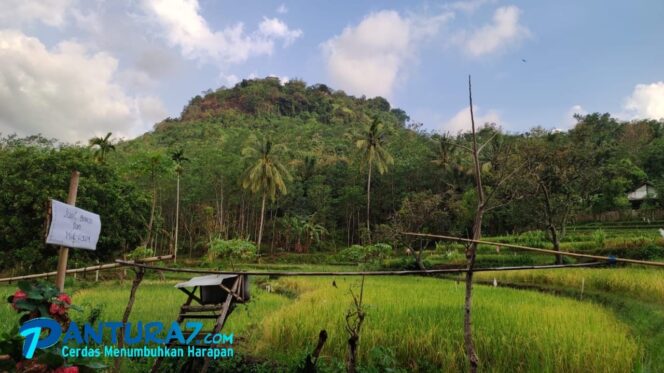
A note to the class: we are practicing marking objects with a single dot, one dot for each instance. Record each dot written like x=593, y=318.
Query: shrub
x=404, y=264
x=533, y=238
x=599, y=237
x=649, y=251
x=446, y=247
x=231, y=249
x=364, y=254
x=140, y=253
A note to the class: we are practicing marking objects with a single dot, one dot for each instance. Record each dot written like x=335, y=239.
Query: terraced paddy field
x=412, y=324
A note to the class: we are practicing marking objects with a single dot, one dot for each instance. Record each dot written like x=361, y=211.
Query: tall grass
x=420, y=319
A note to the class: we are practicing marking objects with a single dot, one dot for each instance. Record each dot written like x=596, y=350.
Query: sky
x=74, y=69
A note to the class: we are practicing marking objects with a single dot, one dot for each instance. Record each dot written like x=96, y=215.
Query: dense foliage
x=424, y=181
x=33, y=171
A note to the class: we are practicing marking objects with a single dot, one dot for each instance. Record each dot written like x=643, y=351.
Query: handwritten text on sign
x=73, y=227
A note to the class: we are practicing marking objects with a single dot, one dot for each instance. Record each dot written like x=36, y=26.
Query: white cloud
x=504, y=31
x=460, y=122
x=468, y=6
x=646, y=101
x=368, y=59
x=274, y=28
x=569, y=120
x=282, y=79
x=228, y=80
x=66, y=92
x=49, y=12
x=282, y=9
x=186, y=28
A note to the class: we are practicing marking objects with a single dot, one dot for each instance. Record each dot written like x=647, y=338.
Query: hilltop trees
x=334, y=150
x=266, y=175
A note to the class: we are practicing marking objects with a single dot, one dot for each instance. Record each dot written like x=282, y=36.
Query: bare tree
x=354, y=319
x=500, y=167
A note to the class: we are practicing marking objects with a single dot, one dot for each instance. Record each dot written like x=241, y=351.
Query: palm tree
x=179, y=158
x=103, y=146
x=266, y=175
x=371, y=141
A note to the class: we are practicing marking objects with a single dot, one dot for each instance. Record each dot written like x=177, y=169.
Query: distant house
x=640, y=194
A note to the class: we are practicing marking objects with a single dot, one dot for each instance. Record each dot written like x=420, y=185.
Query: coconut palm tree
x=266, y=175
x=102, y=147
x=371, y=142
x=179, y=159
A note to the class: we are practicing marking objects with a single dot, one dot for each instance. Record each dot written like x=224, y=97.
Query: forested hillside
x=318, y=147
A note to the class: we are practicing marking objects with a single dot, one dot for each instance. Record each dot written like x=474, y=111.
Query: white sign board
x=73, y=227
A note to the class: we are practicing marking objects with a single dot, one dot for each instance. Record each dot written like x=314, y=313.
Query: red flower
x=19, y=295
x=72, y=369
x=64, y=298
x=56, y=309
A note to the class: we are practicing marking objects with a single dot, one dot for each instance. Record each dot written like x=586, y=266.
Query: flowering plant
x=41, y=299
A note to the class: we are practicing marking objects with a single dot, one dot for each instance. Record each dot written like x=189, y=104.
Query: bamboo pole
x=63, y=255
x=85, y=269
x=356, y=273
x=546, y=251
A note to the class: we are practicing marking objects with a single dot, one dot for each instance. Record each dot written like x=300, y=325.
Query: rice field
x=646, y=284
x=420, y=319
x=417, y=320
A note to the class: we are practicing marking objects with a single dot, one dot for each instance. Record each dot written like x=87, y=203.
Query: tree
x=371, y=142
x=103, y=146
x=560, y=177
x=419, y=212
x=152, y=164
x=495, y=159
x=179, y=159
x=306, y=228
x=266, y=175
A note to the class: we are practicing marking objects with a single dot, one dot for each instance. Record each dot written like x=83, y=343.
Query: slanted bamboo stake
x=547, y=251
x=358, y=273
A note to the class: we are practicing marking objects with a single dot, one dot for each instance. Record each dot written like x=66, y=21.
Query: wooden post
x=140, y=272
x=64, y=251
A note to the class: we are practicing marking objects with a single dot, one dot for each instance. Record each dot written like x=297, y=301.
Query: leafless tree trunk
x=550, y=224
x=471, y=251
x=354, y=319
x=148, y=236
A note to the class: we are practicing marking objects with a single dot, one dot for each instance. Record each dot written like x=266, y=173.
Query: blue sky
x=73, y=69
